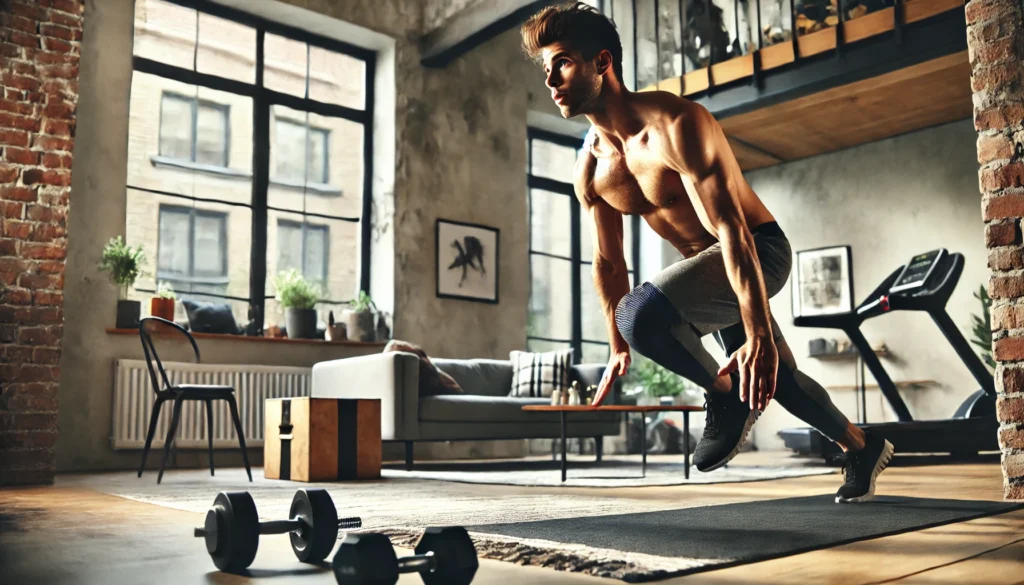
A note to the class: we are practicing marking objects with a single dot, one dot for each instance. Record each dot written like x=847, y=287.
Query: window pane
x=552, y=161
x=594, y=353
x=284, y=65
x=210, y=244
x=670, y=62
x=165, y=32
x=173, y=241
x=592, y=316
x=149, y=123
x=211, y=139
x=327, y=150
x=776, y=22
x=550, y=222
x=550, y=312
x=289, y=246
x=176, y=127
x=646, y=49
x=540, y=345
x=587, y=240
x=336, y=78
x=327, y=254
x=622, y=15
x=316, y=238
x=226, y=49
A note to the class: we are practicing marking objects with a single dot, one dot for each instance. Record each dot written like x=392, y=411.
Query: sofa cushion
x=539, y=374
x=483, y=377
x=432, y=381
x=496, y=409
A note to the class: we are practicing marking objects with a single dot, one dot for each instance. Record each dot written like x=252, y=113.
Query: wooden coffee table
x=564, y=410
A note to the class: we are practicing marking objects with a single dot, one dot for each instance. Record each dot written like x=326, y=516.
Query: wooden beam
x=473, y=27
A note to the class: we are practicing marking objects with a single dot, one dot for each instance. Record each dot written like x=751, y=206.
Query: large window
x=249, y=154
x=564, y=309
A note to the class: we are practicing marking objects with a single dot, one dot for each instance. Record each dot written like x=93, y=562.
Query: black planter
x=300, y=323
x=128, y=314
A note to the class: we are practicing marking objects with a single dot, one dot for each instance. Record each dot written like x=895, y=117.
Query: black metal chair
x=179, y=394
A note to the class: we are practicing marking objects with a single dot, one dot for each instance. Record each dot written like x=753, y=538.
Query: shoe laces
x=850, y=463
x=714, y=412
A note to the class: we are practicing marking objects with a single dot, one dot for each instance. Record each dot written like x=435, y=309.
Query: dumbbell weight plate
x=456, y=561
x=235, y=527
x=316, y=508
x=365, y=559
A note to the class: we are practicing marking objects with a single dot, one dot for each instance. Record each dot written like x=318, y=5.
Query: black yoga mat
x=735, y=534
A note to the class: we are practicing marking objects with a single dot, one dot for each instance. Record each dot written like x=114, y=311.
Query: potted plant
x=360, y=320
x=162, y=305
x=124, y=264
x=655, y=382
x=298, y=296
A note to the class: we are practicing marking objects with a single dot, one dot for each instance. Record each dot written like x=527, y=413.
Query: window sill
x=317, y=188
x=251, y=339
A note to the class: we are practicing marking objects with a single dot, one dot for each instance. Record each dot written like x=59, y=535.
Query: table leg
x=686, y=440
x=562, y=413
x=643, y=447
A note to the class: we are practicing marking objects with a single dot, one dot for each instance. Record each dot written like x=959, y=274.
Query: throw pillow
x=537, y=375
x=432, y=382
x=210, y=317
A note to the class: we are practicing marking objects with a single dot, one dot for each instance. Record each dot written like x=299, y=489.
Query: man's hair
x=580, y=26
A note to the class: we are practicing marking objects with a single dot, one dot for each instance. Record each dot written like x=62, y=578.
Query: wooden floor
x=73, y=535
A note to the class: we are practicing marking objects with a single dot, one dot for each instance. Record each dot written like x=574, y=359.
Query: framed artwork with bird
x=467, y=261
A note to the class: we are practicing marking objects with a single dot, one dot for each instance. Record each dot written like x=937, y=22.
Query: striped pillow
x=537, y=375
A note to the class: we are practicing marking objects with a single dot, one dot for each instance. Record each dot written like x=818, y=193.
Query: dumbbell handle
x=416, y=564
x=286, y=526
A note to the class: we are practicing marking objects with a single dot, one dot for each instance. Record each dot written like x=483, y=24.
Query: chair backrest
x=145, y=325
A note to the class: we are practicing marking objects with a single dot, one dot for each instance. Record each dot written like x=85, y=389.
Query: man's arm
x=701, y=152
x=611, y=277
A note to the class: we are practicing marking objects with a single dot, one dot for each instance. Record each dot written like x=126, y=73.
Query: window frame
x=263, y=100
x=192, y=213
x=194, y=104
x=306, y=227
x=325, y=176
x=576, y=262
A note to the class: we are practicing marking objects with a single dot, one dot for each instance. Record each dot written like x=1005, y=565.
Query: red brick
x=55, y=161
x=57, y=88
x=60, y=32
x=1006, y=259
x=48, y=177
x=1012, y=437
x=8, y=334
x=31, y=422
x=16, y=122
x=50, y=143
x=49, y=298
x=31, y=11
x=1009, y=349
x=1004, y=233
x=994, y=147
x=27, y=439
x=20, y=82
x=43, y=355
x=51, y=267
x=12, y=210
x=8, y=247
x=9, y=105
x=61, y=70
x=10, y=51
x=1007, y=317
x=9, y=173
x=21, y=156
x=52, y=57
x=996, y=51
x=1003, y=206
x=1010, y=380
x=30, y=401
x=998, y=117
x=18, y=193
x=70, y=6
x=71, y=21
x=1010, y=410
x=46, y=251
x=991, y=30
x=11, y=137
x=19, y=230
x=16, y=22
x=39, y=213
x=997, y=76
x=23, y=39
x=35, y=373
x=62, y=128
x=16, y=296
x=24, y=68
x=1003, y=177
x=54, y=44
x=34, y=281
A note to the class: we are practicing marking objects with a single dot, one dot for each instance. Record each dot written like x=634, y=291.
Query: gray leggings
x=665, y=318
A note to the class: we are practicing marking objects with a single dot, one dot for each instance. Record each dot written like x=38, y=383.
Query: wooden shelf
x=250, y=339
x=902, y=385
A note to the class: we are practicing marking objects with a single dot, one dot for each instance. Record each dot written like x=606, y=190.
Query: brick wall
x=39, y=51
x=996, y=44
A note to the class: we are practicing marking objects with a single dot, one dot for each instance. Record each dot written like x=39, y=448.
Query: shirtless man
x=666, y=159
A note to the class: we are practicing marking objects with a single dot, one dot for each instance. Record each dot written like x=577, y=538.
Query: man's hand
x=618, y=365
x=758, y=364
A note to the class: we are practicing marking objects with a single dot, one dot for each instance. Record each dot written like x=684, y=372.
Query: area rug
x=650, y=546
x=610, y=473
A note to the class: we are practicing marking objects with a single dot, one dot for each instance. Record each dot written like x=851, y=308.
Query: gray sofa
x=484, y=412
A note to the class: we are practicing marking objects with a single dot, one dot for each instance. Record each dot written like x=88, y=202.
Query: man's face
x=574, y=83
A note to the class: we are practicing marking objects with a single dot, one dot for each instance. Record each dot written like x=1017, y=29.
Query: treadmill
x=925, y=283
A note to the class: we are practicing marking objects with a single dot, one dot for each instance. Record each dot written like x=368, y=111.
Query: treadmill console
x=916, y=272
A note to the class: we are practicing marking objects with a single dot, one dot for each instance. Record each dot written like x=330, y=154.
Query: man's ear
x=603, y=60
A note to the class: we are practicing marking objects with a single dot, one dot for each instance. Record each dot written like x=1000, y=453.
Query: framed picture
x=823, y=281
x=467, y=261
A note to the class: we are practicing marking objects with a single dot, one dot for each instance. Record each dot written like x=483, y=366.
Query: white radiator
x=134, y=398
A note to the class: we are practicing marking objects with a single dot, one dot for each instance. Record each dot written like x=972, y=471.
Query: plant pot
x=301, y=323
x=128, y=314
x=162, y=307
x=361, y=326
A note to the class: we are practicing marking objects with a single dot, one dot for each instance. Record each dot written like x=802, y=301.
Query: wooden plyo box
x=321, y=439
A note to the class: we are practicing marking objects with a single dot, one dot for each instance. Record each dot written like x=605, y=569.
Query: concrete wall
x=888, y=200
x=448, y=143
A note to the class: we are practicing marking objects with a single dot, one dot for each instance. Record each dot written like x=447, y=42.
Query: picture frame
x=466, y=259
x=822, y=281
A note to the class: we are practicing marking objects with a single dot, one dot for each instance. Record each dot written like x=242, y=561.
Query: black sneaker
x=862, y=468
x=727, y=426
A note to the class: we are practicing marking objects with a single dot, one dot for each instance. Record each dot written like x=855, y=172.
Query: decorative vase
x=301, y=323
x=128, y=314
x=361, y=326
x=162, y=307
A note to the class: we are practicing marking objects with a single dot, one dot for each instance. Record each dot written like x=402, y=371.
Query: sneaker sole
x=883, y=461
x=751, y=419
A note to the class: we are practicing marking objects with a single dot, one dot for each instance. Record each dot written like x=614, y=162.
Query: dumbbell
x=232, y=529
x=444, y=556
